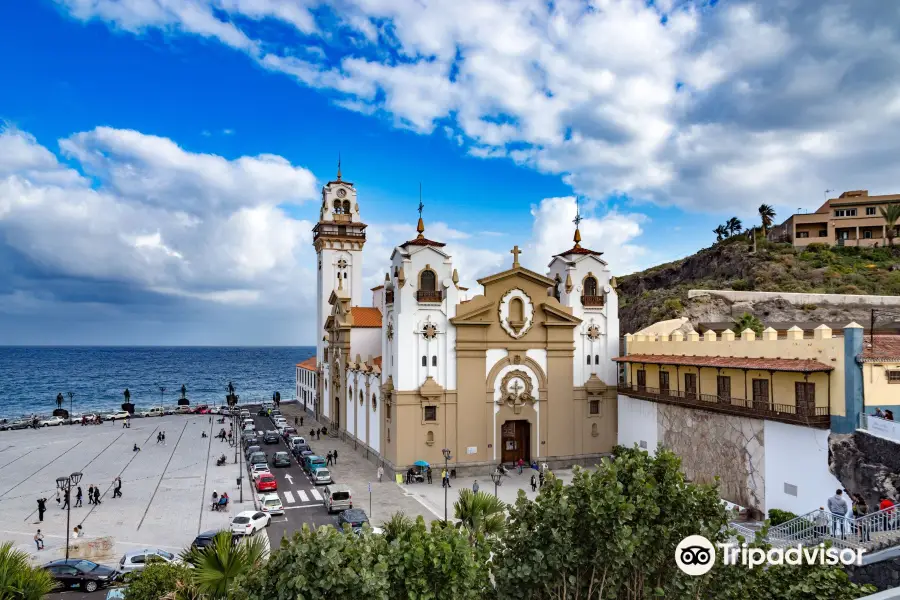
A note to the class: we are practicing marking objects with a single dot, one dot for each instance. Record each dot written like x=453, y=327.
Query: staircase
x=873, y=532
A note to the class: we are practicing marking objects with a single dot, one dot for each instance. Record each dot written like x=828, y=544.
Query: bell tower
x=338, y=238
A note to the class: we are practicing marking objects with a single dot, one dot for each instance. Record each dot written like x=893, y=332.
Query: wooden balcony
x=593, y=301
x=786, y=413
x=342, y=218
x=429, y=296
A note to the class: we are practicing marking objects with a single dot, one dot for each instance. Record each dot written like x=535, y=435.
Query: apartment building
x=852, y=219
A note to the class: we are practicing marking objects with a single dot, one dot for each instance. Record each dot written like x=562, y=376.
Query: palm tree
x=18, y=579
x=891, y=215
x=767, y=216
x=748, y=321
x=219, y=564
x=734, y=225
x=480, y=513
x=721, y=233
x=397, y=526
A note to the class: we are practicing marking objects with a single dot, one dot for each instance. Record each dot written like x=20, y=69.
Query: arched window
x=374, y=403
x=337, y=207
x=590, y=286
x=428, y=281
x=434, y=360
x=596, y=359
x=517, y=311
x=346, y=207
x=424, y=361
x=389, y=436
x=362, y=398
x=594, y=431
x=430, y=437
x=588, y=359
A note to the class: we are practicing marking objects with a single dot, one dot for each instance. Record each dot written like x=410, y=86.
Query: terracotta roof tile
x=309, y=364
x=365, y=316
x=422, y=242
x=887, y=347
x=730, y=362
x=579, y=250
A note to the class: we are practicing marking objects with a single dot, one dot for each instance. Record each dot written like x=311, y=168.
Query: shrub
x=741, y=285
x=777, y=516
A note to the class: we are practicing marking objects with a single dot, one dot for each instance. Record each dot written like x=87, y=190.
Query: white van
x=156, y=411
x=337, y=497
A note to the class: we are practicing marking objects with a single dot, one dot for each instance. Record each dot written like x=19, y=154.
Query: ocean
x=32, y=376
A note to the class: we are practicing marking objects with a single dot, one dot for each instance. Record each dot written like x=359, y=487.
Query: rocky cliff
x=662, y=292
x=865, y=464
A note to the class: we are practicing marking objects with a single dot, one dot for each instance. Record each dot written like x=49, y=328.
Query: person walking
x=91, y=494
x=318, y=434
x=860, y=510
x=96, y=496
x=159, y=437
x=295, y=421
x=42, y=508
x=475, y=487
x=58, y=497
x=328, y=459
x=837, y=506
x=312, y=433
x=887, y=506
x=334, y=456
x=65, y=503
x=164, y=438
x=541, y=478
x=117, y=489
x=78, y=497
x=301, y=421
x=380, y=473
x=39, y=540
x=533, y=482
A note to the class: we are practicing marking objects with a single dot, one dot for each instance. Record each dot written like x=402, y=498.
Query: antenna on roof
x=421, y=226
x=339, y=166
x=577, y=221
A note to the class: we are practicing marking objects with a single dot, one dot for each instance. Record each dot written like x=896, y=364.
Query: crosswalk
x=303, y=496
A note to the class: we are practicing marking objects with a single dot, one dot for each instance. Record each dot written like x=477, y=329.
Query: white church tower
x=338, y=237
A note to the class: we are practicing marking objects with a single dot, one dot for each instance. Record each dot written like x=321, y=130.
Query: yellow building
x=881, y=373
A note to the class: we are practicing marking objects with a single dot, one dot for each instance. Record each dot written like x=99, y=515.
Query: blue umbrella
x=421, y=463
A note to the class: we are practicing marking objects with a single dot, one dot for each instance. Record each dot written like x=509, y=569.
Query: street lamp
x=497, y=478
x=446, y=482
x=65, y=486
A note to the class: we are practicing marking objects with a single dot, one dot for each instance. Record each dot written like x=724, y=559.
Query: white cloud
x=673, y=102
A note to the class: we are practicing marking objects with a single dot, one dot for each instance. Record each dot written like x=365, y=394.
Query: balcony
x=593, y=301
x=786, y=413
x=389, y=297
x=339, y=218
x=429, y=296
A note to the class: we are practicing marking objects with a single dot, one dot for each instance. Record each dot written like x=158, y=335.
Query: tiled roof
x=365, y=316
x=579, y=250
x=730, y=362
x=377, y=361
x=309, y=364
x=422, y=242
x=887, y=348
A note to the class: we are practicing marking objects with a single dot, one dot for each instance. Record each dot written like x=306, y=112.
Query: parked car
x=183, y=410
x=156, y=411
x=288, y=432
x=281, y=459
x=251, y=450
x=270, y=437
x=206, y=538
x=337, y=497
x=321, y=476
x=354, y=517
x=258, y=458
x=52, y=422
x=249, y=522
x=119, y=415
x=313, y=462
x=248, y=428
x=76, y=571
x=138, y=559
x=257, y=470
x=203, y=409
x=271, y=504
x=266, y=483
x=251, y=439
x=294, y=440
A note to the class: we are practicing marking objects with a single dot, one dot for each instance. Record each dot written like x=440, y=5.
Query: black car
x=76, y=571
x=271, y=437
x=206, y=538
x=258, y=458
x=281, y=459
x=251, y=450
x=251, y=439
x=354, y=517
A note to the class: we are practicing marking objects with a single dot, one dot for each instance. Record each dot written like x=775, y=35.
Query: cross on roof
x=421, y=206
x=577, y=220
x=515, y=252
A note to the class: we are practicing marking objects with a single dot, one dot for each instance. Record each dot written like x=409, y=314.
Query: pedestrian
x=58, y=497
x=125, y=423
x=837, y=506
x=475, y=487
x=78, y=497
x=541, y=478
x=318, y=434
x=80, y=530
x=889, y=415
x=96, y=495
x=158, y=437
x=42, y=508
x=164, y=438
x=215, y=496
x=66, y=499
x=380, y=473
x=312, y=433
x=334, y=455
x=428, y=474
x=328, y=459
x=533, y=483
x=75, y=531
x=117, y=489
x=859, y=511
x=821, y=523
x=136, y=448
x=39, y=540
x=887, y=506
x=295, y=421
x=878, y=413
x=91, y=494
x=301, y=421
x=520, y=464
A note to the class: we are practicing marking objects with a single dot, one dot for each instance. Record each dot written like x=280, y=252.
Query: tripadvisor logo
x=695, y=555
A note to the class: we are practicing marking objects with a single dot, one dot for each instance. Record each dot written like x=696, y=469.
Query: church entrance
x=515, y=440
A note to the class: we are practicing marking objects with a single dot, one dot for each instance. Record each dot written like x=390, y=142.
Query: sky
x=161, y=161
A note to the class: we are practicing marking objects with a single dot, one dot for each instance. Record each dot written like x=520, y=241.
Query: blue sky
x=160, y=161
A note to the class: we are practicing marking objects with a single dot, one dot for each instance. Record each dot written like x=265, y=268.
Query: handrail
x=875, y=530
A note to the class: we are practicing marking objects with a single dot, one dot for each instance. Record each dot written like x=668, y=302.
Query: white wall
x=637, y=423
x=365, y=341
x=798, y=456
x=375, y=416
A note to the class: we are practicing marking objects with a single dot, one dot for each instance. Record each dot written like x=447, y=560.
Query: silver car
x=138, y=559
x=321, y=477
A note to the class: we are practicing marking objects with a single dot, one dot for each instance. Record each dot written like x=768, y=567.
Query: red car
x=203, y=410
x=266, y=483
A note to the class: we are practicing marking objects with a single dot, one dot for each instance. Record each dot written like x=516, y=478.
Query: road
x=302, y=499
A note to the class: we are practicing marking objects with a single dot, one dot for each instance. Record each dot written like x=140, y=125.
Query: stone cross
x=515, y=252
x=516, y=387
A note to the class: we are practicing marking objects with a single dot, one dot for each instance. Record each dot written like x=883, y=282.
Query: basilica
x=521, y=369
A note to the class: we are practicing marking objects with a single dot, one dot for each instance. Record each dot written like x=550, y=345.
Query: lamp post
x=445, y=483
x=497, y=478
x=65, y=486
x=71, y=395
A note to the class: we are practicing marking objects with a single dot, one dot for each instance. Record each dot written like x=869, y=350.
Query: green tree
x=397, y=526
x=480, y=513
x=721, y=233
x=748, y=321
x=18, y=579
x=767, y=216
x=218, y=565
x=157, y=580
x=734, y=225
x=891, y=215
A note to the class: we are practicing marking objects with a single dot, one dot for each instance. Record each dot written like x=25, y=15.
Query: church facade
x=522, y=370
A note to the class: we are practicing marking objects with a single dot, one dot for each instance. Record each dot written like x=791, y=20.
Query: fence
x=880, y=427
